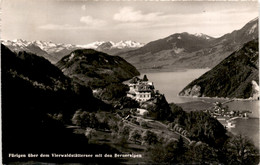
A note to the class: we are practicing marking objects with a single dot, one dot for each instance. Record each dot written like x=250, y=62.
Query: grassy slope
x=105, y=137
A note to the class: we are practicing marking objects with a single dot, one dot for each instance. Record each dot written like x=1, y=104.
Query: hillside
x=39, y=75
x=96, y=69
x=235, y=77
x=184, y=50
x=37, y=102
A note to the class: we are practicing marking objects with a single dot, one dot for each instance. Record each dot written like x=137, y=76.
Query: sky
x=83, y=22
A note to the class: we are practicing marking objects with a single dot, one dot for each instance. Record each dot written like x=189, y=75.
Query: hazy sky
x=82, y=22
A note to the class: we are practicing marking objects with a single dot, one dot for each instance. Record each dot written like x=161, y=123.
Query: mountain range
x=184, y=50
x=237, y=76
x=55, y=51
x=119, y=47
x=179, y=50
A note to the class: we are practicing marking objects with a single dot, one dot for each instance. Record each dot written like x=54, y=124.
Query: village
x=143, y=90
x=225, y=116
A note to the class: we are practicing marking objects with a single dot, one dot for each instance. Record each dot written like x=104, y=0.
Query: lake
x=171, y=83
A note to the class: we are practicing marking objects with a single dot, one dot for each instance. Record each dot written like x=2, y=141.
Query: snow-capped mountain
x=93, y=45
x=204, y=36
x=111, y=44
x=49, y=50
x=119, y=47
x=18, y=45
x=127, y=44
x=111, y=47
x=55, y=51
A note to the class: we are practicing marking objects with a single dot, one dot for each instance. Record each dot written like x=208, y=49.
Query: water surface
x=171, y=83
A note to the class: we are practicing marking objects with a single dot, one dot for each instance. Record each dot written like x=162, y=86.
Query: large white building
x=140, y=90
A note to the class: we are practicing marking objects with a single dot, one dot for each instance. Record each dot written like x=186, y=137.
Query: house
x=141, y=111
x=140, y=89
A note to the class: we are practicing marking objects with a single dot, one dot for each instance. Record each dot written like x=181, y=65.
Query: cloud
x=128, y=14
x=214, y=23
x=90, y=21
x=58, y=27
x=66, y=27
x=83, y=7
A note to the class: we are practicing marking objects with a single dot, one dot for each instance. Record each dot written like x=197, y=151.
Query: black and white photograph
x=129, y=82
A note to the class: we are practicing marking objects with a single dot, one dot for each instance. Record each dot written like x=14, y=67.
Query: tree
x=93, y=121
x=76, y=117
x=149, y=137
x=170, y=153
x=201, y=153
x=180, y=146
x=124, y=131
x=85, y=119
x=128, y=102
x=241, y=151
x=158, y=154
x=176, y=151
x=90, y=133
x=143, y=123
x=114, y=91
x=135, y=135
x=145, y=78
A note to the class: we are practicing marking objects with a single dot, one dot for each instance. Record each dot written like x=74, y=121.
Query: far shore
x=221, y=98
x=150, y=70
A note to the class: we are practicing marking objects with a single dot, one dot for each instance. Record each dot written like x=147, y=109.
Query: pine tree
x=145, y=78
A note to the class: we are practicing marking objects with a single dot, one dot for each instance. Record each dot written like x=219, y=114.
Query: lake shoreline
x=172, y=82
x=149, y=70
x=200, y=105
x=220, y=98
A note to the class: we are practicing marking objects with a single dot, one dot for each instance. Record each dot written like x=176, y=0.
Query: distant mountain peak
x=127, y=44
x=112, y=45
x=47, y=49
x=113, y=48
x=92, y=45
x=201, y=35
